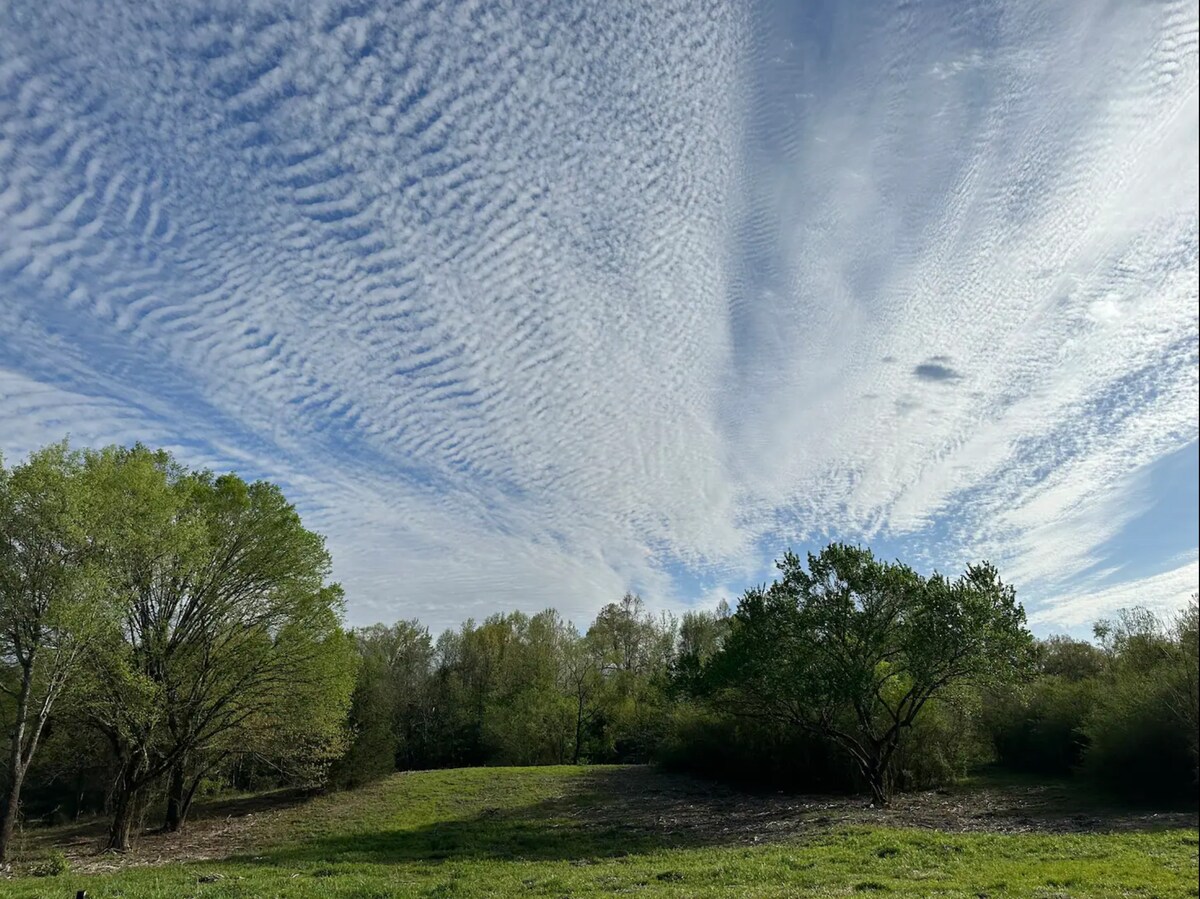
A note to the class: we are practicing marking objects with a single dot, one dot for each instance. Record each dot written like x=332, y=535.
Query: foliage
x=52, y=864
x=51, y=602
x=754, y=752
x=226, y=624
x=514, y=689
x=1142, y=727
x=168, y=632
x=1122, y=714
x=853, y=648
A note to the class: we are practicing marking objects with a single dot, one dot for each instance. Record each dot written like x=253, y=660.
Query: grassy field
x=557, y=832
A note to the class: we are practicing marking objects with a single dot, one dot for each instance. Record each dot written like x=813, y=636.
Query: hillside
x=628, y=830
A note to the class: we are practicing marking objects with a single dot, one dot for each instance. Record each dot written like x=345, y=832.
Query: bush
x=944, y=741
x=1142, y=730
x=1040, y=729
x=753, y=753
x=52, y=864
x=1138, y=747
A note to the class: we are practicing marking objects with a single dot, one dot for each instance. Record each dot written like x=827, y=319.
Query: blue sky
x=528, y=304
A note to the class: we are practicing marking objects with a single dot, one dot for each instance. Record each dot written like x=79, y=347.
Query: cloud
x=936, y=372
x=528, y=305
x=1163, y=593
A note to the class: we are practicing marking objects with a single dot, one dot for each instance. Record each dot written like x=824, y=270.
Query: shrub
x=752, y=753
x=944, y=742
x=1040, y=728
x=52, y=864
x=1137, y=746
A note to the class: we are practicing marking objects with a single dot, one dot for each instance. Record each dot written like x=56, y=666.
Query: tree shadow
x=240, y=806
x=585, y=823
x=88, y=835
x=633, y=811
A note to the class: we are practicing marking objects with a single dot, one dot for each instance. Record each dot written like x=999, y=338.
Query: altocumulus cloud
x=526, y=304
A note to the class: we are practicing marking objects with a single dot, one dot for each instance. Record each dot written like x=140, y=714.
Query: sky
x=529, y=304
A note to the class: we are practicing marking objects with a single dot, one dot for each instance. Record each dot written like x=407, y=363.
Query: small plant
x=52, y=865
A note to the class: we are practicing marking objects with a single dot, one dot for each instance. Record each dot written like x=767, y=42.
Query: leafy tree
x=635, y=652
x=49, y=602
x=582, y=680
x=1038, y=726
x=394, y=716
x=225, y=611
x=1184, y=689
x=1141, y=729
x=853, y=648
x=701, y=636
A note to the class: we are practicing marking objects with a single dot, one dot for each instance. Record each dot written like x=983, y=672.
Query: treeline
x=512, y=690
x=920, y=679
x=166, y=633
x=1122, y=712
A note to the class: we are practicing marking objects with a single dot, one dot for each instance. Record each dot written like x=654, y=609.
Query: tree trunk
x=578, y=733
x=879, y=778
x=188, y=795
x=120, y=834
x=9, y=812
x=176, y=798
x=879, y=789
x=16, y=764
x=132, y=779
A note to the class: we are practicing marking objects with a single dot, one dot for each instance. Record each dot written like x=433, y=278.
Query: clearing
x=600, y=831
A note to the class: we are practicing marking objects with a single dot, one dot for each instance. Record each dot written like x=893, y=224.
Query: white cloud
x=1163, y=594
x=526, y=307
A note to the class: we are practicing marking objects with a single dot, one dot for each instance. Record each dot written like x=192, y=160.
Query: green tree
x=581, y=668
x=49, y=602
x=394, y=717
x=701, y=636
x=1184, y=687
x=1141, y=730
x=224, y=611
x=635, y=652
x=853, y=648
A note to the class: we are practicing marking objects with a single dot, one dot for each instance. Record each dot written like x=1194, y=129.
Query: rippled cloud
x=527, y=304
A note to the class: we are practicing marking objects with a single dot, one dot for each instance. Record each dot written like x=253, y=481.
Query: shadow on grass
x=91, y=831
x=628, y=811
x=579, y=825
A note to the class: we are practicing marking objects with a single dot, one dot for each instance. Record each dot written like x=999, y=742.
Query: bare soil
x=651, y=800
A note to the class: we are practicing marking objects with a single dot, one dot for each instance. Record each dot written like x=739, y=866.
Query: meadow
x=628, y=830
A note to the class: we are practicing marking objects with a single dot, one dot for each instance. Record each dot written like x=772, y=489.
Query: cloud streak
x=529, y=305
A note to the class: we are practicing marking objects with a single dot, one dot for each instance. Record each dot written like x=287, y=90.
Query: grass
x=557, y=832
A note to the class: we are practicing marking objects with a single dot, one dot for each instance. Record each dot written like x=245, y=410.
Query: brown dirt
x=218, y=829
x=688, y=807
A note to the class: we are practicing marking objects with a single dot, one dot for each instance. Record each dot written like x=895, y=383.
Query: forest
x=169, y=634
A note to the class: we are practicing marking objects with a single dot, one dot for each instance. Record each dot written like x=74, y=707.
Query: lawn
x=580, y=832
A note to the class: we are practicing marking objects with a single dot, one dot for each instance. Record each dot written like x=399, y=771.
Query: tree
x=853, y=648
x=701, y=636
x=48, y=602
x=1141, y=730
x=1185, y=685
x=224, y=613
x=634, y=651
x=581, y=676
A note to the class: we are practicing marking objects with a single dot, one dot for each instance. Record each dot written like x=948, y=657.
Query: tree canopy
x=854, y=647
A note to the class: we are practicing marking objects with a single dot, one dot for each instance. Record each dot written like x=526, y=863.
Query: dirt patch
x=218, y=829
x=696, y=810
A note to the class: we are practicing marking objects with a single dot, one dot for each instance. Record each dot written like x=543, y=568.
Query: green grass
x=556, y=832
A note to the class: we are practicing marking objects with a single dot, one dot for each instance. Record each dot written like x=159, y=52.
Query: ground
x=557, y=832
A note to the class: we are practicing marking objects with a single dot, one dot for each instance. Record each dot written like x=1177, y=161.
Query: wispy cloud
x=529, y=305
